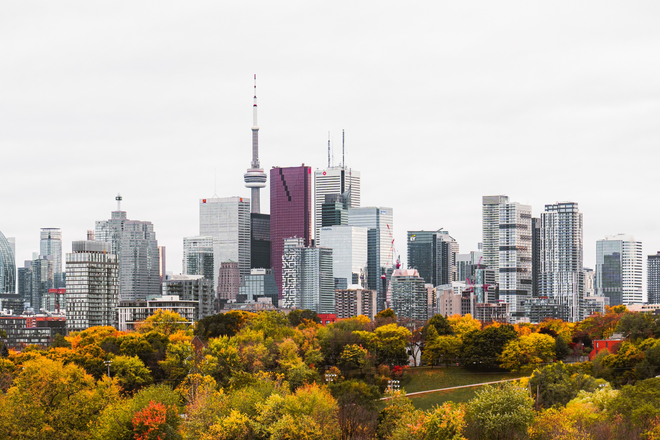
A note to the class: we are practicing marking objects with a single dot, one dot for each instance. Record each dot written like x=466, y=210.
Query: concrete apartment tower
x=619, y=269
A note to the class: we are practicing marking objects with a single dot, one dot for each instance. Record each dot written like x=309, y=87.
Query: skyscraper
x=308, y=281
x=290, y=212
x=433, y=254
x=92, y=285
x=227, y=220
x=260, y=241
x=536, y=257
x=653, y=278
x=134, y=242
x=229, y=282
x=335, y=180
x=349, y=254
x=561, y=256
x=7, y=267
x=515, y=256
x=410, y=298
x=379, y=223
x=255, y=178
x=619, y=269
x=51, y=246
x=198, y=257
x=491, y=229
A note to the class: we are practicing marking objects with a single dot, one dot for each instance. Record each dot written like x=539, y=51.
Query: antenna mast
x=343, y=164
x=328, y=149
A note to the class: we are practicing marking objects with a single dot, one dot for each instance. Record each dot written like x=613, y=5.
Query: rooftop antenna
x=342, y=148
x=118, y=199
x=333, y=151
x=328, y=149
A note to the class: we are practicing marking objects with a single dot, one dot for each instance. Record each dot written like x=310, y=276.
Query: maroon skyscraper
x=290, y=212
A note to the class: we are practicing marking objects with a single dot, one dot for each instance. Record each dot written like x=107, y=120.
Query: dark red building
x=290, y=212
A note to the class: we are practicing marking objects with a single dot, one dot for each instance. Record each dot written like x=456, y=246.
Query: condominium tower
x=92, y=285
x=619, y=269
x=349, y=254
x=198, y=257
x=561, y=258
x=653, y=278
x=433, y=254
x=51, y=246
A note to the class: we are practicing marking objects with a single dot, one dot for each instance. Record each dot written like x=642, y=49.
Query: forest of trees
x=270, y=375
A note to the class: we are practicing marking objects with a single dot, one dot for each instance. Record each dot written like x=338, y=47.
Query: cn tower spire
x=255, y=178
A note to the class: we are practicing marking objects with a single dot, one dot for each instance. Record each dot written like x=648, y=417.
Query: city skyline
x=587, y=94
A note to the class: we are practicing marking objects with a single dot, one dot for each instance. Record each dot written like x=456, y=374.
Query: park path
x=418, y=393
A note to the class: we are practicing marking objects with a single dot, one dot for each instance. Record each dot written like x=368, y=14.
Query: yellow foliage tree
x=528, y=352
x=463, y=324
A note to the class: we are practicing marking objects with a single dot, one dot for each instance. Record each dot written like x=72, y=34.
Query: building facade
x=198, y=257
x=260, y=284
x=410, y=299
x=195, y=288
x=227, y=220
x=131, y=313
x=92, y=285
x=50, y=245
x=561, y=275
x=379, y=222
x=229, y=281
x=433, y=254
x=260, y=241
x=491, y=229
x=653, y=278
x=349, y=254
x=353, y=302
x=334, y=181
x=619, y=269
x=7, y=266
x=290, y=212
x=135, y=245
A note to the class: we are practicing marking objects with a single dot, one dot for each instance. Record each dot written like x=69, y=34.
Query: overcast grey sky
x=442, y=102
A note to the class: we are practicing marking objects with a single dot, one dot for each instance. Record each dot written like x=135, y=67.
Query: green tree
x=638, y=404
x=357, y=413
x=353, y=358
x=178, y=362
x=388, y=343
x=441, y=349
x=441, y=325
x=528, y=352
x=562, y=350
x=635, y=326
x=399, y=411
x=557, y=384
x=131, y=373
x=222, y=324
x=499, y=413
x=297, y=317
x=480, y=350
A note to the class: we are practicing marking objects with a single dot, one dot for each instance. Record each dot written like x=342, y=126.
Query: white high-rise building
x=515, y=256
x=619, y=265
x=134, y=242
x=491, y=230
x=349, y=254
x=562, y=272
x=92, y=285
x=334, y=180
x=227, y=220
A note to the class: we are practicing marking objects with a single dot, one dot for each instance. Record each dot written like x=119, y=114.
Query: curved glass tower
x=7, y=267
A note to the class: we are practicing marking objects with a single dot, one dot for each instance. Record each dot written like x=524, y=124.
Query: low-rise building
x=31, y=330
x=133, y=312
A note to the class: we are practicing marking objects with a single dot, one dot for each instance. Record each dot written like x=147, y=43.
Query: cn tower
x=255, y=178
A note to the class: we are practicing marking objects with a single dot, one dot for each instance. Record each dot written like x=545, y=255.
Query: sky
x=441, y=103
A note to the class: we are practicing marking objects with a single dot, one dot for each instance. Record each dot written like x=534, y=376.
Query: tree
x=399, y=411
x=131, y=373
x=150, y=423
x=444, y=422
x=222, y=324
x=481, y=349
x=557, y=384
x=562, y=350
x=499, y=413
x=638, y=404
x=636, y=326
x=388, y=343
x=441, y=325
x=163, y=321
x=353, y=358
x=297, y=317
x=357, y=414
x=309, y=413
x=463, y=324
x=178, y=363
x=527, y=352
x=49, y=399
x=441, y=349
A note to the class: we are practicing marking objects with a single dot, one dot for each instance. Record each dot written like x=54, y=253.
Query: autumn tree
x=440, y=349
x=527, y=352
x=163, y=321
x=499, y=413
x=558, y=383
x=388, y=343
x=463, y=324
x=480, y=350
x=222, y=324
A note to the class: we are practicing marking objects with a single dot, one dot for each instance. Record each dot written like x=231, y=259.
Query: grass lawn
x=426, y=378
